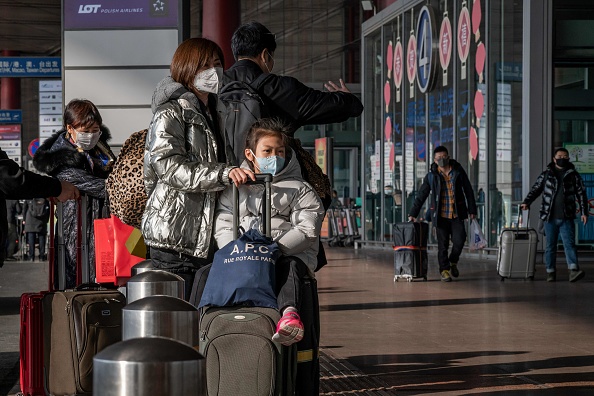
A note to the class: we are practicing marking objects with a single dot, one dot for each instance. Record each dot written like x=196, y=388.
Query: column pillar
x=220, y=18
x=10, y=88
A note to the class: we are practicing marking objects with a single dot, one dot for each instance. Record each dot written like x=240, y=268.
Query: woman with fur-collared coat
x=80, y=155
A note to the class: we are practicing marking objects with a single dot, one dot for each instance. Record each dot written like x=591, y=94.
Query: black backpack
x=243, y=106
x=38, y=208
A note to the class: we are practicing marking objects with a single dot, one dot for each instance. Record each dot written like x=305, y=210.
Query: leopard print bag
x=125, y=183
x=312, y=173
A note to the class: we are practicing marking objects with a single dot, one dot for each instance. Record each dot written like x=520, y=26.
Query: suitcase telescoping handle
x=266, y=180
x=521, y=220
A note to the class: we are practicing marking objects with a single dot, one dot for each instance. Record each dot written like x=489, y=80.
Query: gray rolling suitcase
x=516, y=257
x=241, y=358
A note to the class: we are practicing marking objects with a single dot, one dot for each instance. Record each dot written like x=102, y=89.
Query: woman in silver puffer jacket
x=185, y=165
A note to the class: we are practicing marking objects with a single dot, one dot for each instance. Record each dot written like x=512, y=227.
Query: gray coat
x=181, y=174
x=297, y=213
x=33, y=223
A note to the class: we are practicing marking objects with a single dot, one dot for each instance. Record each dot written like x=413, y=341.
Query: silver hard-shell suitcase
x=516, y=257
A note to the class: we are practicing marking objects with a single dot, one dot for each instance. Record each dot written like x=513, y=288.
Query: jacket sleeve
x=580, y=189
x=422, y=195
x=87, y=183
x=18, y=183
x=310, y=106
x=536, y=189
x=223, y=223
x=306, y=221
x=172, y=163
x=468, y=192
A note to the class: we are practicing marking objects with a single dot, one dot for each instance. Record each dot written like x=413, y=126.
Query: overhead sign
x=426, y=59
x=14, y=66
x=129, y=14
x=11, y=116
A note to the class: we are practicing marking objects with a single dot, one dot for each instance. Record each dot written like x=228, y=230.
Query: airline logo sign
x=129, y=14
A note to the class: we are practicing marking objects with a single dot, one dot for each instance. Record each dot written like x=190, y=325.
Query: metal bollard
x=153, y=366
x=162, y=316
x=156, y=282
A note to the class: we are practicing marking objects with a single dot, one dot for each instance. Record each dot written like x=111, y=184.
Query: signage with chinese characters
x=13, y=66
x=11, y=116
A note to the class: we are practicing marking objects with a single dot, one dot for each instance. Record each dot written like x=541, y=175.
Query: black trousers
x=290, y=271
x=180, y=264
x=446, y=229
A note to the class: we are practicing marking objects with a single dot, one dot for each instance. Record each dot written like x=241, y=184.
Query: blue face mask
x=272, y=164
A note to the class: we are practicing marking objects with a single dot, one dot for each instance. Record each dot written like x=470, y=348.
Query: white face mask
x=209, y=80
x=87, y=140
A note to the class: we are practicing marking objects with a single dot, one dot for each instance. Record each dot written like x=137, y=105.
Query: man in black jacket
x=452, y=202
x=253, y=47
x=561, y=187
x=18, y=183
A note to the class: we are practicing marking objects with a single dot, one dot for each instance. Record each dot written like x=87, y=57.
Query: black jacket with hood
x=464, y=201
x=575, y=192
x=58, y=157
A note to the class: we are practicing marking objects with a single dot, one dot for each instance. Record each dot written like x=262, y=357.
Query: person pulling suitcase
x=452, y=202
x=564, y=195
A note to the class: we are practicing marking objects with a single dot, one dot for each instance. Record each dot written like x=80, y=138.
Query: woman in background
x=79, y=154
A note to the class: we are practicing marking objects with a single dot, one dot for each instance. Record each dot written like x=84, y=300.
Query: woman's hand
x=240, y=176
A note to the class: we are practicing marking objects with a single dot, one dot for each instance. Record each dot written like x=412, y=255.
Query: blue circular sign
x=426, y=49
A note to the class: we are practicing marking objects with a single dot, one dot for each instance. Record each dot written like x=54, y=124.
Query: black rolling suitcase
x=410, y=250
x=78, y=323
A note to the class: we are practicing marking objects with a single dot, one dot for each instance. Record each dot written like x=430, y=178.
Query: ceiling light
x=367, y=5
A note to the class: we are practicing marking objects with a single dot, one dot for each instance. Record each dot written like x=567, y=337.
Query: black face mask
x=562, y=162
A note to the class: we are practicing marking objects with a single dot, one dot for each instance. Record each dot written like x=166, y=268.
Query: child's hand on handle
x=240, y=176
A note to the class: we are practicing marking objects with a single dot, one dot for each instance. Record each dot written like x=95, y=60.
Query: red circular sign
x=464, y=34
x=398, y=65
x=411, y=58
x=33, y=146
x=445, y=43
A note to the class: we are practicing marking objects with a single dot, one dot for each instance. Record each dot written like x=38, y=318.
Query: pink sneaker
x=289, y=329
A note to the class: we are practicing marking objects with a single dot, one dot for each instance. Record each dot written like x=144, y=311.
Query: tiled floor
x=475, y=335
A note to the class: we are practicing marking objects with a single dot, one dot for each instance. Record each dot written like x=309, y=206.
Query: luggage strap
x=408, y=247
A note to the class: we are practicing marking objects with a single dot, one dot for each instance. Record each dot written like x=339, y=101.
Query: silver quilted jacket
x=181, y=174
x=296, y=216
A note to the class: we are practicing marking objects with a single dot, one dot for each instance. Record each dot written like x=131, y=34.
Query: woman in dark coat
x=36, y=215
x=79, y=154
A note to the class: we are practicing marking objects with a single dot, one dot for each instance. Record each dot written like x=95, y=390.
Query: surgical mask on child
x=87, y=140
x=272, y=164
x=209, y=80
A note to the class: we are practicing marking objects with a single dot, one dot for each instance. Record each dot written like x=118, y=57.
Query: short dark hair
x=81, y=113
x=266, y=127
x=560, y=149
x=192, y=55
x=251, y=39
x=440, y=149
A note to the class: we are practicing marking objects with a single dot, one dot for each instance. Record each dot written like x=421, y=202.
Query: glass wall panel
x=505, y=127
x=372, y=138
